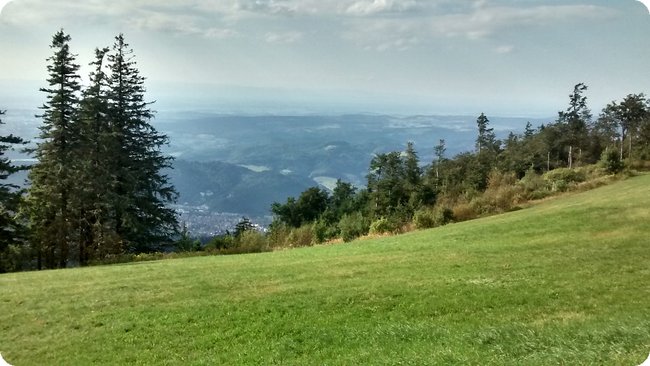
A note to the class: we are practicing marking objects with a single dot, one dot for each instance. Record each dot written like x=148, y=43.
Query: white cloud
x=369, y=7
x=370, y=24
x=475, y=20
x=283, y=38
x=220, y=33
x=504, y=49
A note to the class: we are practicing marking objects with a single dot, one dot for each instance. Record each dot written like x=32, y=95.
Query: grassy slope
x=565, y=282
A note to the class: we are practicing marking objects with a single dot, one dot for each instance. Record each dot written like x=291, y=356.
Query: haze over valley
x=229, y=166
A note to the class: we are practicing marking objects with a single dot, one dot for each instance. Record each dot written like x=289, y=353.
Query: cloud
x=399, y=44
x=371, y=24
x=470, y=20
x=485, y=21
x=266, y=6
x=220, y=33
x=504, y=49
x=369, y=7
x=283, y=38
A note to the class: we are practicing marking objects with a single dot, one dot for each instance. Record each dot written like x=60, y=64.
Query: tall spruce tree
x=141, y=192
x=53, y=176
x=486, y=139
x=93, y=202
x=574, y=123
x=11, y=231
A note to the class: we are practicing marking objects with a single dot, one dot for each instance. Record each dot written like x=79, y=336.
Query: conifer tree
x=574, y=122
x=93, y=201
x=412, y=168
x=141, y=192
x=439, y=152
x=486, y=140
x=53, y=176
x=11, y=231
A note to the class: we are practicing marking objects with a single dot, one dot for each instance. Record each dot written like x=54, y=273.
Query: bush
x=533, y=186
x=561, y=179
x=13, y=258
x=249, y=241
x=187, y=244
x=430, y=218
x=278, y=234
x=301, y=237
x=382, y=226
x=464, y=212
x=219, y=243
x=353, y=226
x=424, y=219
x=324, y=232
x=444, y=215
x=498, y=180
x=498, y=200
x=610, y=160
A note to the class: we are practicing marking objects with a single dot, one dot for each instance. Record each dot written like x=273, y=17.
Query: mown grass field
x=565, y=282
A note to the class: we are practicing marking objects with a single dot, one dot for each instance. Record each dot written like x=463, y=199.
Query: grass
x=564, y=282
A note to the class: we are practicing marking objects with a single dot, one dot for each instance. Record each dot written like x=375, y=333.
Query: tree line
x=97, y=190
x=401, y=191
x=97, y=187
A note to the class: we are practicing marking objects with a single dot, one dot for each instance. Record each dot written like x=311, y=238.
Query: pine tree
x=243, y=226
x=53, y=176
x=142, y=193
x=92, y=203
x=439, y=152
x=11, y=231
x=412, y=170
x=486, y=140
x=574, y=122
x=632, y=113
x=487, y=151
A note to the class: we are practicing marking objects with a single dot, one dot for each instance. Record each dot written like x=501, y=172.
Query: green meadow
x=565, y=282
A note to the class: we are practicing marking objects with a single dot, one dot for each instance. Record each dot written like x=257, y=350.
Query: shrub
x=13, y=258
x=610, y=160
x=324, y=232
x=533, y=186
x=464, y=212
x=443, y=215
x=249, y=241
x=382, y=226
x=427, y=218
x=561, y=179
x=278, y=234
x=353, y=226
x=497, y=180
x=424, y=219
x=301, y=237
x=219, y=243
x=502, y=199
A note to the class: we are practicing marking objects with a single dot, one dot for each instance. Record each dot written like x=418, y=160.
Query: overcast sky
x=502, y=57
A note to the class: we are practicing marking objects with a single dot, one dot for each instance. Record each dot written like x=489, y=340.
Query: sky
x=502, y=57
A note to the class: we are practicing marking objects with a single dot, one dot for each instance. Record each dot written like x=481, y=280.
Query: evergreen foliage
x=142, y=194
x=243, y=226
x=12, y=232
x=53, y=177
x=574, y=123
x=496, y=177
x=97, y=189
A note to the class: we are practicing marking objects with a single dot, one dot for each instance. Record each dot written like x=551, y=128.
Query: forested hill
x=224, y=187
